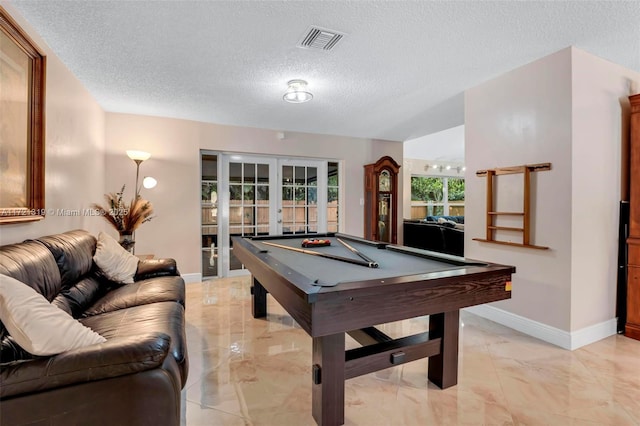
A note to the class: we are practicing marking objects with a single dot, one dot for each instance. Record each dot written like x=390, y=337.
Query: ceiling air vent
x=320, y=38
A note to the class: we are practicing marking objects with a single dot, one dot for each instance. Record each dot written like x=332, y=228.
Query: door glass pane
x=235, y=230
x=234, y=262
x=235, y=215
x=332, y=194
x=249, y=173
x=248, y=193
x=263, y=217
x=235, y=172
x=300, y=218
x=332, y=214
x=263, y=173
x=312, y=214
x=312, y=176
x=247, y=216
x=209, y=216
x=287, y=220
x=287, y=175
x=312, y=195
x=262, y=193
x=209, y=251
x=287, y=194
x=300, y=196
x=209, y=189
x=235, y=193
x=300, y=178
x=209, y=167
x=332, y=174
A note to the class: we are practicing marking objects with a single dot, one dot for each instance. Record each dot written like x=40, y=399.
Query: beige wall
x=600, y=131
x=74, y=151
x=524, y=117
x=566, y=109
x=175, y=147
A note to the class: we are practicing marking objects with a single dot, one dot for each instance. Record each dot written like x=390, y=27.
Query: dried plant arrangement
x=125, y=217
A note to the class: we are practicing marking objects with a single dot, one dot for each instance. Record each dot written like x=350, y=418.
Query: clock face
x=384, y=182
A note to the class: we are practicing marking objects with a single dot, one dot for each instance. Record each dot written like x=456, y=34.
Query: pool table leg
x=258, y=300
x=443, y=368
x=328, y=380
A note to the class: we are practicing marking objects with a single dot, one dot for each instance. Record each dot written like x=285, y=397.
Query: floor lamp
x=138, y=157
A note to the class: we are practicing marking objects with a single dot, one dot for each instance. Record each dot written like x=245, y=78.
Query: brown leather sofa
x=134, y=378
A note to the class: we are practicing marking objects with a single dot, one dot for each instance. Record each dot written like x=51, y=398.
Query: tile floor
x=245, y=371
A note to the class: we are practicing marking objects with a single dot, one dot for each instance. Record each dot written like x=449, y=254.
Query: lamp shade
x=297, y=92
x=138, y=155
x=149, y=182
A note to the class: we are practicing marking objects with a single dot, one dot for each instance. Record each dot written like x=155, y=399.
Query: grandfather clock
x=632, y=327
x=381, y=200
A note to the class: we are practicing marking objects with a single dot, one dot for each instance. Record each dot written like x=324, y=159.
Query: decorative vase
x=126, y=241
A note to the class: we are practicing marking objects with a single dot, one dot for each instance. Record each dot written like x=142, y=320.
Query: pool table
x=330, y=296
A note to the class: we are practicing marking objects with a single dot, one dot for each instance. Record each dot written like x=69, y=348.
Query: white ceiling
x=398, y=74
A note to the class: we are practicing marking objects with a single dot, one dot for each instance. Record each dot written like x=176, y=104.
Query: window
x=436, y=196
x=333, y=196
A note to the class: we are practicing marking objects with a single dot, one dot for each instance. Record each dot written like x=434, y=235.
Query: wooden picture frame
x=22, y=78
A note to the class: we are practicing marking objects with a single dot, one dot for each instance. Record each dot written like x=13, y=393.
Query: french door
x=302, y=197
x=268, y=196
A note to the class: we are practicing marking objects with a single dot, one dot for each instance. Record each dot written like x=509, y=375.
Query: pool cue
x=372, y=263
x=316, y=253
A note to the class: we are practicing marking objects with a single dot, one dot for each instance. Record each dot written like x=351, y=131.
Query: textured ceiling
x=398, y=74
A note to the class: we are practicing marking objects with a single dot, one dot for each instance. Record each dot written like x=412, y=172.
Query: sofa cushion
x=73, y=252
x=78, y=297
x=115, y=262
x=161, y=289
x=38, y=326
x=31, y=263
x=161, y=317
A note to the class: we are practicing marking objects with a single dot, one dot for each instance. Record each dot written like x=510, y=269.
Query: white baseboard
x=192, y=278
x=555, y=336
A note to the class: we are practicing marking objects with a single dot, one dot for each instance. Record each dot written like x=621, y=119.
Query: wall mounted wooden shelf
x=491, y=227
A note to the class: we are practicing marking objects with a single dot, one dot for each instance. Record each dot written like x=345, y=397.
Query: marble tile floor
x=246, y=371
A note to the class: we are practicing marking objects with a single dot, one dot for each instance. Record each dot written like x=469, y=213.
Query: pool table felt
x=329, y=272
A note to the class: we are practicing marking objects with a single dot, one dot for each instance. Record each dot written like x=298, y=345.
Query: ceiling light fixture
x=297, y=92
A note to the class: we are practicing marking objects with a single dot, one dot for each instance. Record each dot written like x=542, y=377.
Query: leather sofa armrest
x=151, y=268
x=116, y=357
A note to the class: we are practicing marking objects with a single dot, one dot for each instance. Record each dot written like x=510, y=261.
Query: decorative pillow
x=39, y=327
x=116, y=263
